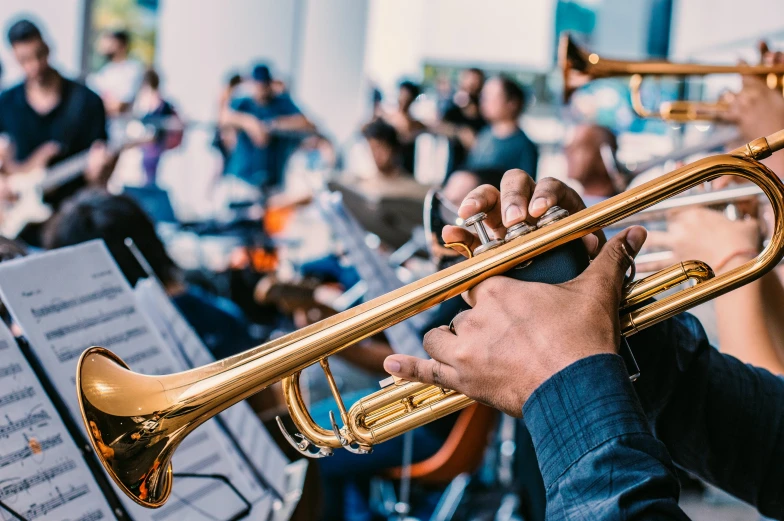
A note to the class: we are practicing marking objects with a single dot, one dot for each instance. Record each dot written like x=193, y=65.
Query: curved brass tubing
x=580, y=66
x=135, y=422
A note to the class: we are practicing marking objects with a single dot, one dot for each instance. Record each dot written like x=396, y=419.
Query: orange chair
x=462, y=451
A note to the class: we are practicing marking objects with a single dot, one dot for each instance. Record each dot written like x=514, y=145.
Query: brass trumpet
x=580, y=66
x=135, y=422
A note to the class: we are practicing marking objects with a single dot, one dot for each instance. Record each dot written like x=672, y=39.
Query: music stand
x=392, y=219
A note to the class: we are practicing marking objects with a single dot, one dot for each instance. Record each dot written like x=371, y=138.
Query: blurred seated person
x=152, y=109
x=95, y=214
x=503, y=144
x=120, y=78
x=590, y=161
x=47, y=118
x=261, y=120
x=462, y=120
x=390, y=179
x=225, y=138
x=407, y=126
x=749, y=319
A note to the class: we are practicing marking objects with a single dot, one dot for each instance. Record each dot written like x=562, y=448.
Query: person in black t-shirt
x=47, y=117
x=463, y=120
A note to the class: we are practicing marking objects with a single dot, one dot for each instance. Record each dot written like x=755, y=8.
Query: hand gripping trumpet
x=135, y=422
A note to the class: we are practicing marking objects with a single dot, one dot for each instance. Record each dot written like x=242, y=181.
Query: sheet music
x=73, y=298
x=379, y=276
x=240, y=419
x=42, y=472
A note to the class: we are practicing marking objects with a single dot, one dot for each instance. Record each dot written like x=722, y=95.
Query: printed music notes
x=73, y=298
x=42, y=473
x=240, y=420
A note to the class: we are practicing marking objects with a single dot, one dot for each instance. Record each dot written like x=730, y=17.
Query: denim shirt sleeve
x=598, y=457
x=720, y=419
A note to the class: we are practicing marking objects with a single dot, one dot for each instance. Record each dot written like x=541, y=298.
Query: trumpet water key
x=135, y=422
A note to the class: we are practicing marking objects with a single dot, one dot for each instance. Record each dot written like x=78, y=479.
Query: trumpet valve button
x=556, y=213
x=495, y=243
x=475, y=219
x=486, y=243
x=518, y=230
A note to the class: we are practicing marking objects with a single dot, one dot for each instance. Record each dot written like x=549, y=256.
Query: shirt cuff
x=579, y=409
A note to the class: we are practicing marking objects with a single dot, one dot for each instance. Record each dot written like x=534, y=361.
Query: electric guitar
x=25, y=204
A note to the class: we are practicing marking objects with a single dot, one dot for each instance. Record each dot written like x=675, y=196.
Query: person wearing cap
x=262, y=121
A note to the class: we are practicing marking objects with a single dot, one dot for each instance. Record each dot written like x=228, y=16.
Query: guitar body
x=27, y=205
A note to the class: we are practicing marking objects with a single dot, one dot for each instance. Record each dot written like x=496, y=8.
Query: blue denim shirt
x=607, y=447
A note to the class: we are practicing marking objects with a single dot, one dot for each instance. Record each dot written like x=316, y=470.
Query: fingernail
x=469, y=204
x=540, y=203
x=512, y=213
x=392, y=366
x=635, y=238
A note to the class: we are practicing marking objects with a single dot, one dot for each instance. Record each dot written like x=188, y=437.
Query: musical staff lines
x=65, y=305
x=38, y=457
x=94, y=515
x=87, y=323
x=17, y=396
x=108, y=342
x=37, y=510
x=28, y=451
x=33, y=418
x=45, y=475
x=10, y=370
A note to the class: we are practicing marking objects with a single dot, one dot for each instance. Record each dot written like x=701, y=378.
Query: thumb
x=615, y=258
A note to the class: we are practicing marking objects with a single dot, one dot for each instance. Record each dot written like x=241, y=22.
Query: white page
x=70, y=299
x=240, y=419
x=42, y=473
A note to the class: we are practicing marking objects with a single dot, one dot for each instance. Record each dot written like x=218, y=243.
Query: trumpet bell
x=125, y=415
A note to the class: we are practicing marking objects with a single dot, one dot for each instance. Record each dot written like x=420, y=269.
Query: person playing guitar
x=48, y=118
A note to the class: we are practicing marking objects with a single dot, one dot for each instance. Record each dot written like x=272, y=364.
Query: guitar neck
x=69, y=169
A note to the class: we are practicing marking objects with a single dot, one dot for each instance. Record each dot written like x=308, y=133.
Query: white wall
x=404, y=34
x=200, y=41
x=395, y=32
x=699, y=25
x=502, y=32
x=61, y=22
x=329, y=84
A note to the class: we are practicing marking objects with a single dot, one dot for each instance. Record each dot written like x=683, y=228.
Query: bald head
x=584, y=160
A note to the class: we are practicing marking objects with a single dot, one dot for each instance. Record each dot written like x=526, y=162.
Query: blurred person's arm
x=292, y=123
x=39, y=159
x=742, y=315
x=256, y=130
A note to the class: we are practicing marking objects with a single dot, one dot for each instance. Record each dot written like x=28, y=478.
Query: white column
x=329, y=79
x=201, y=41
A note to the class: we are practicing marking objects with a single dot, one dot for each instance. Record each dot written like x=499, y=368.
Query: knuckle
x=431, y=339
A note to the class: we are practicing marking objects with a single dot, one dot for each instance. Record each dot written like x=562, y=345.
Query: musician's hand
x=98, y=159
x=520, y=199
x=41, y=156
x=519, y=334
x=707, y=235
x=757, y=110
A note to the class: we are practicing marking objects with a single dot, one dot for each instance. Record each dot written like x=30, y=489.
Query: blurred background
x=378, y=100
